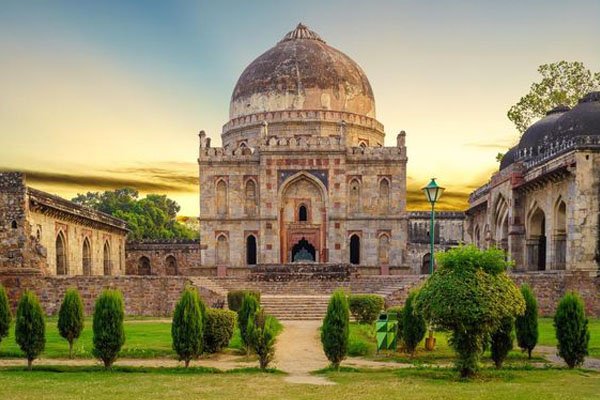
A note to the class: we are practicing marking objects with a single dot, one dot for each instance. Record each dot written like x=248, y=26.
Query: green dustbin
x=386, y=328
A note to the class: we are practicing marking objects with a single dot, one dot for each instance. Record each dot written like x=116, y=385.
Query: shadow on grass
x=64, y=369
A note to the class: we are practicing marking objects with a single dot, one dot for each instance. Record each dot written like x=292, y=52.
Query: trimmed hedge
x=365, y=308
x=218, y=329
x=236, y=297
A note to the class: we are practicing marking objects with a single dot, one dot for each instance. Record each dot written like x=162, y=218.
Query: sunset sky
x=102, y=94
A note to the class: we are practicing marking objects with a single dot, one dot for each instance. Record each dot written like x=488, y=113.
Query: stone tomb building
x=45, y=234
x=303, y=174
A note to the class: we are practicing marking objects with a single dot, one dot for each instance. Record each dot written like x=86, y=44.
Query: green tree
x=262, y=332
x=502, y=341
x=70, y=317
x=469, y=295
x=562, y=83
x=219, y=326
x=186, y=329
x=249, y=307
x=571, y=326
x=5, y=314
x=336, y=329
x=107, y=325
x=526, y=325
x=413, y=325
x=30, y=327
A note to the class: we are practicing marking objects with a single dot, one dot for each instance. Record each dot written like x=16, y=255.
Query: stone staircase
x=295, y=307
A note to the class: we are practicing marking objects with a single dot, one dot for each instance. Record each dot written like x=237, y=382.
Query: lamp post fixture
x=433, y=192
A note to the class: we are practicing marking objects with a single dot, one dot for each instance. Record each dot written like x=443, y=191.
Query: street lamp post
x=433, y=192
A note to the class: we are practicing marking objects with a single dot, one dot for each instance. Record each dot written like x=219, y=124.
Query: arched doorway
x=250, y=250
x=61, y=255
x=222, y=250
x=171, y=265
x=354, y=249
x=425, y=264
x=106, y=260
x=560, y=235
x=536, y=240
x=144, y=266
x=86, y=261
x=303, y=251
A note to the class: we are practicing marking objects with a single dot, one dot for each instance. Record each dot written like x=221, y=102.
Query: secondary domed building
x=542, y=206
x=303, y=174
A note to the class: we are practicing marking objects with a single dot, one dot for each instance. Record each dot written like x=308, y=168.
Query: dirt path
x=549, y=354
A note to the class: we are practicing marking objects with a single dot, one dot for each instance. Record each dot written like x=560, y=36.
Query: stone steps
x=290, y=307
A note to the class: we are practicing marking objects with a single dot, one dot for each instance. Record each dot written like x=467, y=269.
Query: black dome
x=545, y=127
x=583, y=119
x=508, y=159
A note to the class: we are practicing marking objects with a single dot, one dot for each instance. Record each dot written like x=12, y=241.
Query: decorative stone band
x=552, y=149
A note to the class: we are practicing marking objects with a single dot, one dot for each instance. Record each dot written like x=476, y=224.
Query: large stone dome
x=302, y=72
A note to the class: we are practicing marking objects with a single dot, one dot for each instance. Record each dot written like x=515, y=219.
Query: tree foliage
x=5, y=314
x=71, y=317
x=413, y=324
x=152, y=217
x=186, y=329
x=218, y=329
x=107, y=326
x=469, y=295
x=526, y=325
x=562, y=83
x=30, y=327
x=262, y=332
x=365, y=307
x=502, y=341
x=572, y=332
x=249, y=307
x=236, y=297
x=336, y=329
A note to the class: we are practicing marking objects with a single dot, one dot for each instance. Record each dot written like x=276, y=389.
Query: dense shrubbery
x=249, y=307
x=5, y=314
x=413, y=325
x=469, y=295
x=30, y=327
x=571, y=328
x=70, y=317
x=336, y=330
x=526, y=325
x=109, y=334
x=186, y=329
x=236, y=297
x=262, y=331
x=502, y=341
x=365, y=308
x=218, y=329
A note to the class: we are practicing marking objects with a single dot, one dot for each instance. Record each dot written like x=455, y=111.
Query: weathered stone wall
x=163, y=257
x=147, y=295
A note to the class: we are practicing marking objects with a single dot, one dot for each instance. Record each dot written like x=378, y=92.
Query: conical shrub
x=526, y=325
x=186, y=329
x=571, y=326
x=336, y=329
x=413, y=325
x=71, y=317
x=249, y=307
x=502, y=341
x=109, y=334
x=30, y=327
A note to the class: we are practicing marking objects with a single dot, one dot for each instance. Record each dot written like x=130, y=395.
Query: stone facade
x=45, y=234
x=162, y=257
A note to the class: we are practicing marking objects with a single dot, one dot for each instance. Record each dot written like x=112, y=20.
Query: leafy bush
x=249, y=307
x=413, y=325
x=219, y=326
x=5, y=314
x=107, y=325
x=30, y=327
x=335, y=330
x=262, y=332
x=186, y=329
x=469, y=295
x=502, y=341
x=365, y=308
x=70, y=317
x=236, y=297
x=572, y=331
x=526, y=325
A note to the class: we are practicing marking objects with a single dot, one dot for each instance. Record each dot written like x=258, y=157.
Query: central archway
x=303, y=251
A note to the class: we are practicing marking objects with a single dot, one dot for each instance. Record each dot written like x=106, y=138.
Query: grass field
x=413, y=384
x=144, y=338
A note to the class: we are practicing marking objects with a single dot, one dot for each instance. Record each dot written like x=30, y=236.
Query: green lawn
x=144, y=338
x=413, y=384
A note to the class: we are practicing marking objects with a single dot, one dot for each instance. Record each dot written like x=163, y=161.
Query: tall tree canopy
x=562, y=83
x=151, y=217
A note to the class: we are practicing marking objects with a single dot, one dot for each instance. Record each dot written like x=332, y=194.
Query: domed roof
x=583, y=119
x=302, y=72
x=508, y=158
x=535, y=134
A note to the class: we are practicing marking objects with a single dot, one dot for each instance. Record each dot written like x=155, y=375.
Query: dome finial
x=301, y=32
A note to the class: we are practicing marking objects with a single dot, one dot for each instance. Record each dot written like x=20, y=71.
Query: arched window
x=144, y=267
x=384, y=195
x=560, y=235
x=106, y=260
x=354, y=249
x=383, y=250
x=222, y=250
x=86, y=261
x=221, y=199
x=13, y=225
x=425, y=264
x=354, y=195
x=536, y=240
x=250, y=194
x=61, y=255
x=302, y=213
x=38, y=234
x=251, y=250
x=362, y=145
x=171, y=265
x=477, y=237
